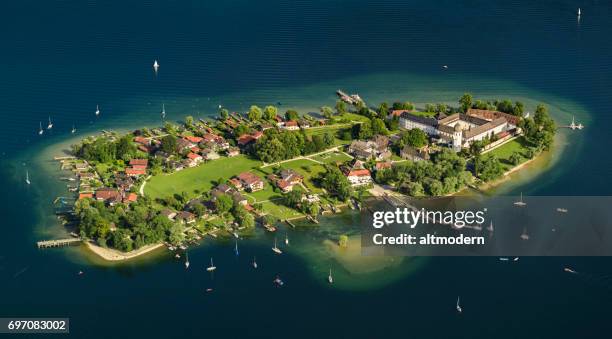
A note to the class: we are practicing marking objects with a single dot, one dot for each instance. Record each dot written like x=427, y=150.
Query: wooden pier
x=289, y=223
x=57, y=242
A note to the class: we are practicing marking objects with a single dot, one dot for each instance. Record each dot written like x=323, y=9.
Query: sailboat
x=97, y=110
x=286, y=239
x=212, y=266
x=459, y=309
x=520, y=203
x=73, y=129
x=155, y=66
x=490, y=228
x=50, y=125
x=254, y=262
x=40, y=130
x=275, y=249
x=330, y=279
x=163, y=111
x=27, y=177
x=236, y=248
x=579, y=11
x=186, y=260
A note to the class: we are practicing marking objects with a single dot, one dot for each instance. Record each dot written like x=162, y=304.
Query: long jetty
x=57, y=242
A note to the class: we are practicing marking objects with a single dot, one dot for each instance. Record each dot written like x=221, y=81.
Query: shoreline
x=109, y=254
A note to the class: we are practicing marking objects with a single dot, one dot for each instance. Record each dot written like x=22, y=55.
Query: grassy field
x=504, y=151
x=335, y=129
x=332, y=157
x=200, y=178
x=278, y=210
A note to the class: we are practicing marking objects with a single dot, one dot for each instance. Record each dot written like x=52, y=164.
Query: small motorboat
x=208, y=290
x=81, y=273
x=569, y=270
x=278, y=281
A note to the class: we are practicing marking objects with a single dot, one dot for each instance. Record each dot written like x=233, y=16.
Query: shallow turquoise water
x=68, y=56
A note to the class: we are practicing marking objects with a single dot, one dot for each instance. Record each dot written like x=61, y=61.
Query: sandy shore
x=115, y=255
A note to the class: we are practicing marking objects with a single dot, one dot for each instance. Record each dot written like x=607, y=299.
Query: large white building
x=460, y=130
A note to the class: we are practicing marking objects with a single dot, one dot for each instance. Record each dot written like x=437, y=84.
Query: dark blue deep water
x=64, y=57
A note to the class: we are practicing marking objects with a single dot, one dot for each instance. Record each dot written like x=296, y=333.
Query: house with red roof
x=251, y=181
x=358, y=177
x=194, y=159
x=134, y=172
x=193, y=139
x=291, y=125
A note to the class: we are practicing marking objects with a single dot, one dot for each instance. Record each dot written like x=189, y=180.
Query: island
x=225, y=176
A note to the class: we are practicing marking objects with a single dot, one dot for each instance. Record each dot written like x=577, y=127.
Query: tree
x=335, y=182
x=223, y=204
x=340, y=107
x=291, y=115
x=430, y=108
x=176, y=234
x=124, y=148
x=466, y=102
x=269, y=150
x=327, y=112
x=270, y=112
x=414, y=137
x=293, y=198
x=515, y=158
x=189, y=121
x=168, y=144
x=362, y=131
x=343, y=241
x=379, y=127
x=518, y=109
x=254, y=113
x=223, y=113
x=383, y=109
x=488, y=167
x=170, y=128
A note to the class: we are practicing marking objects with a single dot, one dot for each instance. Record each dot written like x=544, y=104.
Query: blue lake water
x=65, y=57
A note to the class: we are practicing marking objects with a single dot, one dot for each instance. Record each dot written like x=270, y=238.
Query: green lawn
x=332, y=157
x=278, y=210
x=335, y=129
x=200, y=178
x=504, y=151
